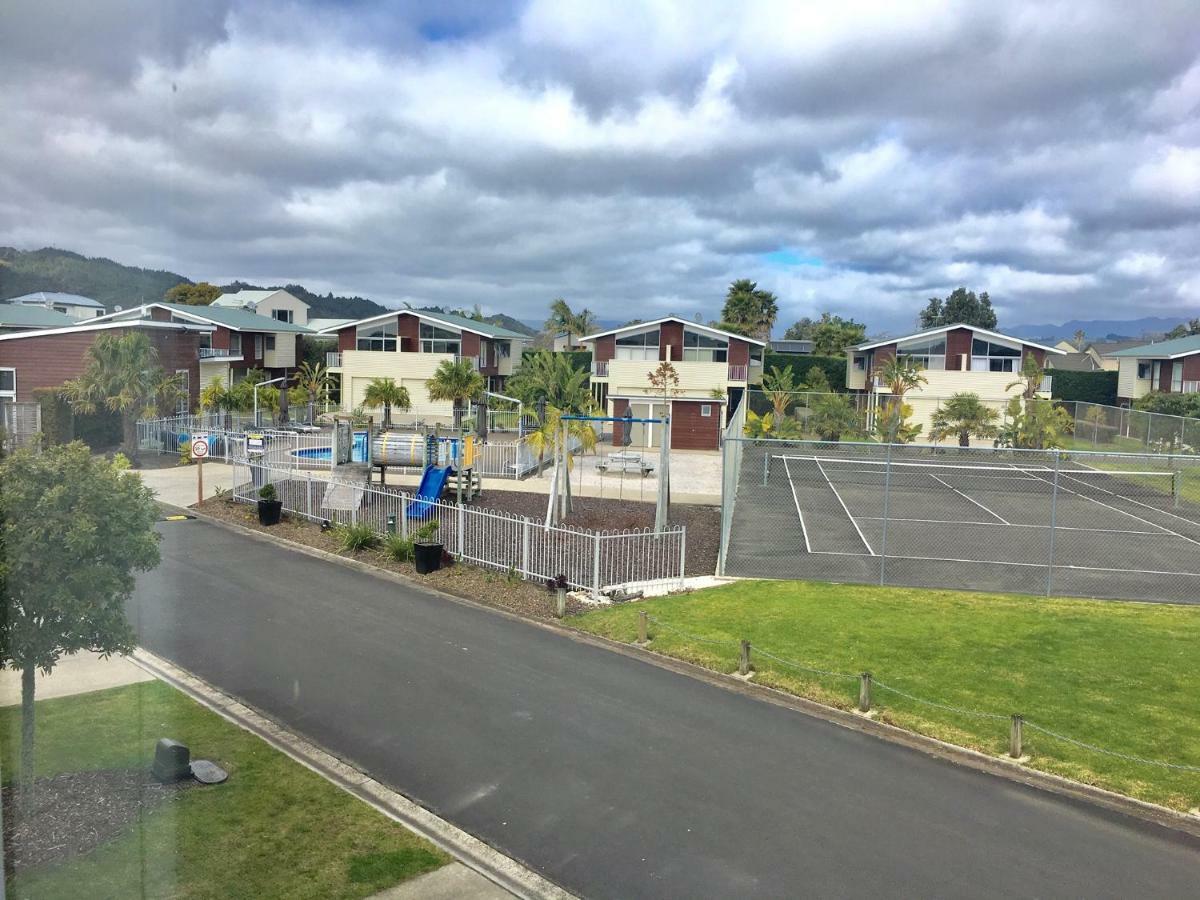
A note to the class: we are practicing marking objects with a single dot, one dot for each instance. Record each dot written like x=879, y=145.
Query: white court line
x=1162, y=512
x=971, y=500
x=846, y=509
x=1006, y=562
x=1009, y=524
x=799, y=512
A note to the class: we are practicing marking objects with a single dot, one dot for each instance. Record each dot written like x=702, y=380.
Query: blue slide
x=432, y=483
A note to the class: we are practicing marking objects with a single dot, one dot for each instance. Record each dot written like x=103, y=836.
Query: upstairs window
x=1143, y=369
x=1177, y=376
x=282, y=315
x=440, y=340
x=990, y=356
x=258, y=346
x=380, y=336
x=638, y=346
x=8, y=384
x=702, y=348
x=270, y=342
x=928, y=353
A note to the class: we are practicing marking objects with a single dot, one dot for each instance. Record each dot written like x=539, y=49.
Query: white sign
x=256, y=444
x=199, y=446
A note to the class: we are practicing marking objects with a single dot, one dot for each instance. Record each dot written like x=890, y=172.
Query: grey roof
x=1073, y=362
x=1184, y=346
x=41, y=298
x=14, y=316
x=486, y=328
x=236, y=318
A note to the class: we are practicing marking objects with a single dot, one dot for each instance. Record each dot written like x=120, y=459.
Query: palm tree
x=548, y=435
x=779, y=386
x=750, y=309
x=562, y=318
x=386, y=393
x=217, y=396
x=458, y=382
x=313, y=379
x=965, y=415
x=122, y=375
x=553, y=378
x=831, y=416
x=585, y=322
x=901, y=375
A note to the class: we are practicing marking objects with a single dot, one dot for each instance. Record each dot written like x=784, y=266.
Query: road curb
x=501, y=870
x=1009, y=770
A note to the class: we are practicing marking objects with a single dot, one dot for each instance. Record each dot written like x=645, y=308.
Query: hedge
x=1089, y=387
x=61, y=425
x=834, y=366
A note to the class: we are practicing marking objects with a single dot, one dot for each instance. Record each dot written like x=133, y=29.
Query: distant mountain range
x=1098, y=329
x=114, y=284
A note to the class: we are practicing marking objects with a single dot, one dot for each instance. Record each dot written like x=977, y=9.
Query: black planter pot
x=427, y=557
x=269, y=511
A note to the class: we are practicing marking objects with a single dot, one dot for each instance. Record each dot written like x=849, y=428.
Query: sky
x=856, y=157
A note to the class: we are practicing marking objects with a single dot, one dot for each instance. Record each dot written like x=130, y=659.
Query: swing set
x=558, y=505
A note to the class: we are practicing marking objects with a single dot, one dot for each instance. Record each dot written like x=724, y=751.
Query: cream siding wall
x=629, y=377
x=856, y=379
x=284, y=354
x=410, y=370
x=991, y=387
x=284, y=300
x=1129, y=386
x=214, y=370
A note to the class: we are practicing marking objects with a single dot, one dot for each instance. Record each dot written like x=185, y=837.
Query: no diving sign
x=199, y=446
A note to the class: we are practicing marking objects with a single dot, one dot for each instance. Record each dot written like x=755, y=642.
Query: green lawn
x=1124, y=676
x=274, y=829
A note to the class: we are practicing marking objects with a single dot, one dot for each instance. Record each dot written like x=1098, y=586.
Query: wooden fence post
x=744, y=659
x=1015, y=735
x=864, y=692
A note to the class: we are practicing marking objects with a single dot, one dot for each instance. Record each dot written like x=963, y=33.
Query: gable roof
x=233, y=318
x=1108, y=348
x=696, y=325
x=1075, y=361
x=106, y=323
x=929, y=332
x=15, y=316
x=41, y=298
x=250, y=299
x=485, y=329
x=1176, y=347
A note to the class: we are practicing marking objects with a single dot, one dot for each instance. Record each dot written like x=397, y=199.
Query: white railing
x=1047, y=382
x=592, y=560
x=20, y=424
x=217, y=353
x=600, y=368
x=737, y=373
x=333, y=359
x=473, y=360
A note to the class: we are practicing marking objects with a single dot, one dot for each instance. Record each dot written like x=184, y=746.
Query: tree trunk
x=28, y=683
x=964, y=439
x=129, y=427
x=458, y=414
x=387, y=416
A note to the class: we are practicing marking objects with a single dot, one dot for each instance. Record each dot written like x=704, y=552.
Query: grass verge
x=274, y=829
x=1122, y=676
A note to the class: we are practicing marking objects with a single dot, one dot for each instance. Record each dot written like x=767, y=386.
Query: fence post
x=462, y=518
x=525, y=572
x=404, y=516
x=308, y=493
x=1015, y=735
x=682, y=556
x=1053, y=523
x=642, y=640
x=887, y=490
x=744, y=659
x=560, y=607
x=864, y=692
x=596, y=563
x=766, y=463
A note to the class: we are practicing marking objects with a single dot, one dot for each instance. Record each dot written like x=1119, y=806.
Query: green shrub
x=426, y=532
x=834, y=367
x=267, y=492
x=353, y=538
x=398, y=548
x=1088, y=387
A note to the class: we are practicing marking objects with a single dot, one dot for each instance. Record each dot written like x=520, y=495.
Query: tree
x=800, y=330
x=313, y=378
x=966, y=416
x=962, y=306
x=386, y=393
x=553, y=379
x=74, y=528
x=1080, y=339
x=901, y=375
x=548, y=435
x=564, y=319
x=832, y=415
x=1034, y=423
x=1191, y=327
x=458, y=382
x=833, y=334
x=779, y=387
x=200, y=294
x=122, y=375
x=216, y=396
x=749, y=309
x=664, y=382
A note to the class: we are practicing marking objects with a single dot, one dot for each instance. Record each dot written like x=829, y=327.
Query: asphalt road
x=611, y=776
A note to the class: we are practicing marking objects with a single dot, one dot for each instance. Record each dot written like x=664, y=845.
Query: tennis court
x=1069, y=524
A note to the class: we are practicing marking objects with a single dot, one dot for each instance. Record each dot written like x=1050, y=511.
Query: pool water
x=358, y=453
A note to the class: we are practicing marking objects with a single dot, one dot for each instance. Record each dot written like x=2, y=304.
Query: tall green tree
x=964, y=415
x=800, y=330
x=386, y=393
x=831, y=416
x=74, y=529
x=314, y=379
x=749, y=309
x=458, y=382
x=833, y=334
x=779, y=387
x=1184, y=329
x=962, y=306
x=551, y=378
x=200, y=294
x=216, y=396
x=901, y=375
x=122, y=375
x=564, y=319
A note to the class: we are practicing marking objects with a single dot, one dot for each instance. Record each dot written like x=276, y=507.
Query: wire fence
x=20, y=424
x=1098, y=426
x=1068, y=523
x=521, y=545
x=869, y=684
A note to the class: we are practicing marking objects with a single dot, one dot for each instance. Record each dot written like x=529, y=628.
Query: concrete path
x=178, y=485
x=76, y=674
x=614, y=777
x=452, y=882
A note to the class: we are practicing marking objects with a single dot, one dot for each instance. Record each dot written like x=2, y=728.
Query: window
x=380, y=336
x=860, y=364
x=235, y=344
x=990, y=356
x=258, y=346
x=439, y=340
x=1177, y=377
x=8, y=384
x=702, y=348
x=185, y=395
x=1155, y=375
x=638, y=346
x=1143, y=370
x=706, y=410
x=270, y=342
x=205, y=340
x=282, y=315
x=928, y=353
x=504, y=348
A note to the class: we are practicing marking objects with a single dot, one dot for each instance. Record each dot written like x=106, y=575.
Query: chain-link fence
x=1101, y=427
x=1073, y=523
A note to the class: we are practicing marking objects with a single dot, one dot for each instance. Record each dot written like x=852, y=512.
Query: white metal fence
x=523, y=545
x=1100, y=427
x=20, y=424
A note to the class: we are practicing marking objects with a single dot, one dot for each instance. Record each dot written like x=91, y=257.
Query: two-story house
x=954, y=359
x=715, y=368
x=1169, y=366
x=74, y=306
x=240, y=340
x=408, y=345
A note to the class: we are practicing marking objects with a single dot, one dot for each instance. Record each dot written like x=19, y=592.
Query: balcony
x=473, y=360
x=333, y=360
x=1047, y=380
x=738, y=373
x=599, y=369
x=213, y=354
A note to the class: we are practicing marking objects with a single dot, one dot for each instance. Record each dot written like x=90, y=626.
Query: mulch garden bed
x=76, y=812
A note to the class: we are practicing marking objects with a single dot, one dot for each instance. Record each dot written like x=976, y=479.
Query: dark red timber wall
x=347, y=339
x=670, y=334
x=958, y=346
x=605, y=348
x=408, y=329
x=1036, y=352
x=1191, y=367
x=1164, y=375
x=692, y=431
x=620, y=407
x=739, y=353
x=470, y=344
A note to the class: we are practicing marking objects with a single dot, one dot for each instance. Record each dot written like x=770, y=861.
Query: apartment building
x=1169, y=366
x=74, y=306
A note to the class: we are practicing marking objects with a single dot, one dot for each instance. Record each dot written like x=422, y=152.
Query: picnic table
x=625, y=461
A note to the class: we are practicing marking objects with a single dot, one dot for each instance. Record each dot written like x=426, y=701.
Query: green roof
x=13, y=315
x=238, y=319
x=463, y=322
x=1183, y=346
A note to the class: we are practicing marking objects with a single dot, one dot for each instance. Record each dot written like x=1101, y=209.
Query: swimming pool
x=358, y=453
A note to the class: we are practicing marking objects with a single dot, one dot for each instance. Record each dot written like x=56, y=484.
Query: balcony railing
x=333, y=360
x=1047, y=380
x=737, y=373
x=473, y=360
x=218, y=353
x=600, y=368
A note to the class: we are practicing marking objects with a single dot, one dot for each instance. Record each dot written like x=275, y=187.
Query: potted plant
x=427, y=549
x=270, y=507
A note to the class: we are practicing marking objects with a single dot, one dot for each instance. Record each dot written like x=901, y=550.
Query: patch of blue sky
x=786, y=258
